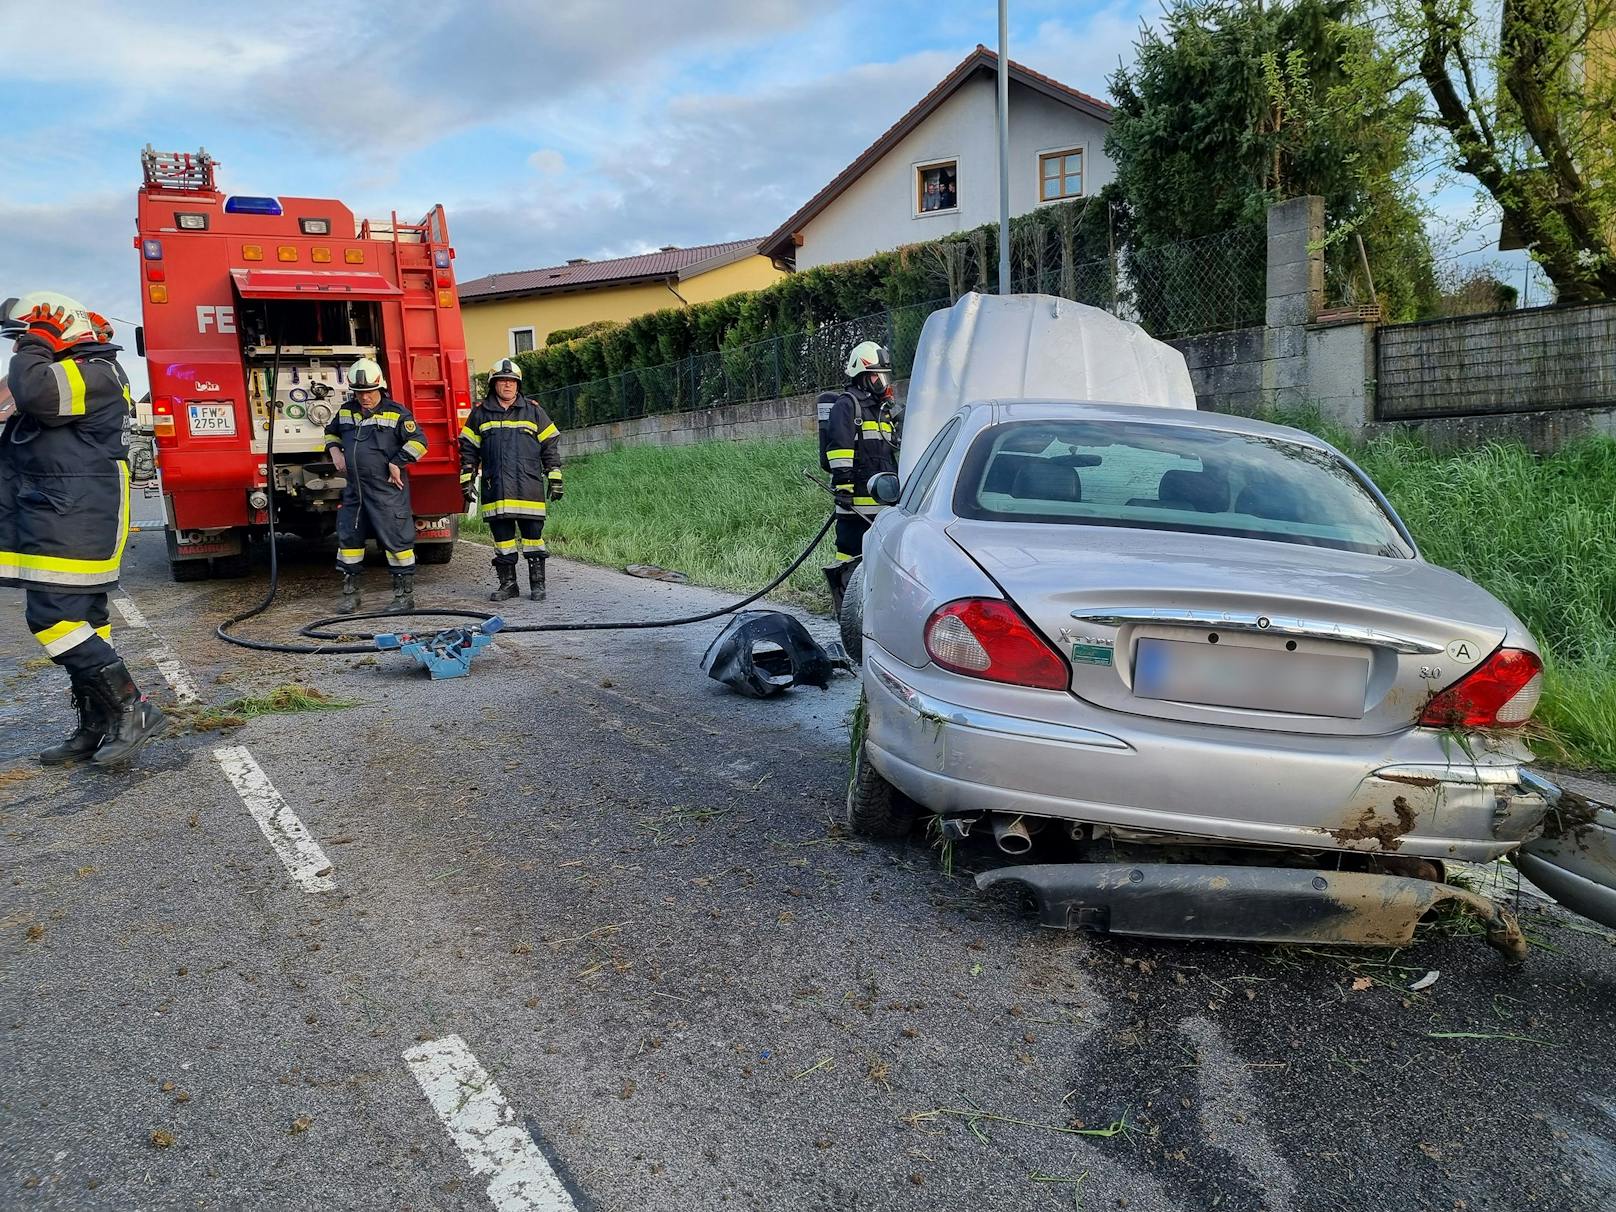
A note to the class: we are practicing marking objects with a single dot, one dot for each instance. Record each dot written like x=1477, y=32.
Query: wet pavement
x=621, y=889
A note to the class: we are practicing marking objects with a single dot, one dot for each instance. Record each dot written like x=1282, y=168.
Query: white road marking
x=287, y=835
x=169, y=665
x=486, y=1129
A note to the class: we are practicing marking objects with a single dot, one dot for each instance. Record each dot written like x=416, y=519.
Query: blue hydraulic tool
x=447, y=653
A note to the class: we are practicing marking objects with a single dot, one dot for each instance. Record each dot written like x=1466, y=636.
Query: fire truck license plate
x=212, y=420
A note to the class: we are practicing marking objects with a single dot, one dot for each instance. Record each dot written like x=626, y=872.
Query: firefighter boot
x=403, y=591
x=350, y=593
x=87, y=737
x=507, y=582
x=130, y=716
x=535, y=578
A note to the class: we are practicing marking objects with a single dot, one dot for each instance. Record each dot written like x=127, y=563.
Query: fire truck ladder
x=178, y=170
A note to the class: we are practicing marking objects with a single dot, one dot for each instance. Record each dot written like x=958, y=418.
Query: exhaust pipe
x=1010, y=832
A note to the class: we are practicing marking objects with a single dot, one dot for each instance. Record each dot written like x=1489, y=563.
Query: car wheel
x=875, y=808
x=852, y=617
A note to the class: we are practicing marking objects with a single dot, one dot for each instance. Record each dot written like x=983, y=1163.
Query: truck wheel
x=875, y=808
x=231, y=567
x=434, y=553
x=183, y=571
x=852, y=617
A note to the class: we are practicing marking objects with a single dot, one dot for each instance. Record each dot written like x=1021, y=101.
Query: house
x=510, y=313
x=936, y=170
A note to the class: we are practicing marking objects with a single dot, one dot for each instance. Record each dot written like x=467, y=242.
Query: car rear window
x=1172, y=477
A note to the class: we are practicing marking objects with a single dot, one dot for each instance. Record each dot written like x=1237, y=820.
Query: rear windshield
x=1171, y=477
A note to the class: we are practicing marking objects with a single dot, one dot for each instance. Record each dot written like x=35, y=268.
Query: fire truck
x=254, y=308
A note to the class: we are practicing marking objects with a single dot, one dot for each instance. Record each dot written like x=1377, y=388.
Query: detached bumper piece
x=1247, y=904
x=447, y=653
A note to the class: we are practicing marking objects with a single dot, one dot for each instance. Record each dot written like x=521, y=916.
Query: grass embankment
x=728, y=514
x=1540, y=533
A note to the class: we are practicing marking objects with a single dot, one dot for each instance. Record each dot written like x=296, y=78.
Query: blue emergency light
x=440, y=258
x=153, y=249
x=244, y=204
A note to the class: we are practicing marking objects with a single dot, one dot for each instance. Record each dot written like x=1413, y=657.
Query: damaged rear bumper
x=1250, y=904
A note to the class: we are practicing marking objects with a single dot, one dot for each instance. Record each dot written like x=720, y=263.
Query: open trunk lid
x=1241, y=632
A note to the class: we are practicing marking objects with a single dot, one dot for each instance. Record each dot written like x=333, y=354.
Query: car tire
x=852, y=616
x=875, y=808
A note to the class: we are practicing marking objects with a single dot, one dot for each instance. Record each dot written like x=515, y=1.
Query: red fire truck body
x=239, y=290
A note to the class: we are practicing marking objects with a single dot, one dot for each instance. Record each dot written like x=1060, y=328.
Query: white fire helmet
x=869, y=358
x=74, y=317
x=365, y=375
x=505, y=369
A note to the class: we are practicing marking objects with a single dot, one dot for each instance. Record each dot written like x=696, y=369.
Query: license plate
x=212, y=420
x=1259, y=679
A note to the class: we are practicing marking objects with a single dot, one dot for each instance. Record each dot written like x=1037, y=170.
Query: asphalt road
x=620, y=889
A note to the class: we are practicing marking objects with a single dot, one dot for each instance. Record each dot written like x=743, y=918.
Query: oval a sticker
x=1463, y=650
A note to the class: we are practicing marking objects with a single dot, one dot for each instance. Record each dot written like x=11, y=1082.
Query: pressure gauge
x=319, y=413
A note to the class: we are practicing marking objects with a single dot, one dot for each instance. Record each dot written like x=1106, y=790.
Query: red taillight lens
x=1500, y=693
x=986, y=638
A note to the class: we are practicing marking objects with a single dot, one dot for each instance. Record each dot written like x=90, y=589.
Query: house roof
x=668, y=265
x=780, y=244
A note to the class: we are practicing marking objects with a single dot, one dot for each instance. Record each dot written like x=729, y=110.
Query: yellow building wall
x=488, y=324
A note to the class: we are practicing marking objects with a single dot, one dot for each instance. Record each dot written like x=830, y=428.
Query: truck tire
x=184, y=571
x=231, y=567
x=852, y=617
x=875, y=808
x=440, y=553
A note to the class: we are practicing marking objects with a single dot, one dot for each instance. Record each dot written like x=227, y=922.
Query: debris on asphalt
x=655, y=572
x=762, y=652
x=301, y=1124
x=162, y=1138
x=1425, y=982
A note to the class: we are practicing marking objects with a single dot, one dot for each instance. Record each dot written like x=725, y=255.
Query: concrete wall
x=1520, y=361
x=877, y=212
x=794, y=416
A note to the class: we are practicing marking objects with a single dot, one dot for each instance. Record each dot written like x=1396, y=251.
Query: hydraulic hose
x=338, y=643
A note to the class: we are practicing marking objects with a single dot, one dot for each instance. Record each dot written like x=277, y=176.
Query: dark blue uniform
x=372, y=507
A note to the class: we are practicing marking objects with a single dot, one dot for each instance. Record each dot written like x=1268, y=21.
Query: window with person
x=938, y=187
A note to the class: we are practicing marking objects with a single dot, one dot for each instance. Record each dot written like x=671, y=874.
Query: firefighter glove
x=468, y=491
x=844, y=498
x=52, y=322
x=555, y=490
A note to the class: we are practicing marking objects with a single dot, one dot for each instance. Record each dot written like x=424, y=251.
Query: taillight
x=987, y=638
x=1501, y=692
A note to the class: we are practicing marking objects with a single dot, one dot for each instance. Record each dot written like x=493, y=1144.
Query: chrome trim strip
x=1511, y=775
x=1259, y=624
x=989, y=721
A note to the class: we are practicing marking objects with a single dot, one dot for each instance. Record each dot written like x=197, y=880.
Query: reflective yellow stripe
x=401, y=559
x=351, y=555
x=104, y=632
x=833, y=455
x=465, y=476
x=550, y=431
x=505, y=544
x=75, y=387
x=840, y=557
x=538, y=505
x=65, y=570
x=533, y=425
x=470, y=435
x=875, y=426
x=61, y=637
x=415, y=448
x=556, y=474
x=865, y=501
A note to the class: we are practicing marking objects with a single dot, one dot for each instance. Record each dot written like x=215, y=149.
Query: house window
x=937, y=187
x=1060, y=175
x=521, y=341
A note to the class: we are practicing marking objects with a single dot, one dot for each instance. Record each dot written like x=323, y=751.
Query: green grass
x=1540, y=533
x=728, y=514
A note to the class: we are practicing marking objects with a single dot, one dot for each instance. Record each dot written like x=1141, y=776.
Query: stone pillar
x=1295, y=295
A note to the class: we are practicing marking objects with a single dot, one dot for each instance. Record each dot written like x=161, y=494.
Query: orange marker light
x=286, y=252
x=320, y=256
x=354, y=256
x=252, y=252
x=157, y=292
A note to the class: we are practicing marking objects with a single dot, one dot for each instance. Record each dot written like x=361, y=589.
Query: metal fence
x=1206, y=285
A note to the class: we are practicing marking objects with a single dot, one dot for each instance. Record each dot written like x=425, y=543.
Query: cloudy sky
x=549, y=130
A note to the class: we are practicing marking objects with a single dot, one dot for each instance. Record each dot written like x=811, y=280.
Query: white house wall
x=877, y=212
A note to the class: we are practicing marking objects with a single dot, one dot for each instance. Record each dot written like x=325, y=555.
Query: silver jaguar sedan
x=1204, y=654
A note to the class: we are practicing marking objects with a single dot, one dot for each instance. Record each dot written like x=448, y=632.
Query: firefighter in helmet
x=517, y=447
x=372, y=439
x=64, y=513
x=860, y=441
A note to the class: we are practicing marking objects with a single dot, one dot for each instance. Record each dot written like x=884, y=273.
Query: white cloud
x=548, y=162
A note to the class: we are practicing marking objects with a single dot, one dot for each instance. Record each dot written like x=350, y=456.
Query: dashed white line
x=169, y=665
x=486, y=1129
x=287, y=835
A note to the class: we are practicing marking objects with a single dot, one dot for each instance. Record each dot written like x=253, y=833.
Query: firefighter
x=519, y=449
x=859, y=442
x=64, y=514
x=372, y=439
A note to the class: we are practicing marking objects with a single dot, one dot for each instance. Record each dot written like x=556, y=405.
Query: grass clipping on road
x=1538, y=532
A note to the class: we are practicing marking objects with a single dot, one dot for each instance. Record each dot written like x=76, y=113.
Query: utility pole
x=1004, y=147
